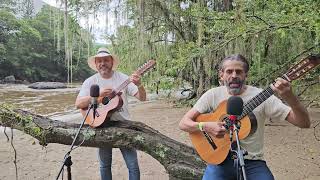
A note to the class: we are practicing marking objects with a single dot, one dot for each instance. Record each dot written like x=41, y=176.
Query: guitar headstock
x=146, y=66
x=303, y=67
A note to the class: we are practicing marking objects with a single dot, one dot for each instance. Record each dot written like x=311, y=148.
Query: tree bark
x=179, y=160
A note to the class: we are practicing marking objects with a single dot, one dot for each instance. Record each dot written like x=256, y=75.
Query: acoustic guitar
x=215, y=150
x=114, y=101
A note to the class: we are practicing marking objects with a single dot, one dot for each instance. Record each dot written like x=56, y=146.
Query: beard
x=235, y=86
x=105, y=69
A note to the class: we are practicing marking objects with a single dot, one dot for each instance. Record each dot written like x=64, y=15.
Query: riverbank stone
x=47, y=85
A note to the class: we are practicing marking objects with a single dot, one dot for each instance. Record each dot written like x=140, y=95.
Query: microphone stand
x=239, y=153
x=67, y=158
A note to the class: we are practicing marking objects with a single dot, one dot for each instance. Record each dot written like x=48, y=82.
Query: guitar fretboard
x=259, y=99
x=256, y=101
x=122, y=86
x=140, y=72
x=293, y=73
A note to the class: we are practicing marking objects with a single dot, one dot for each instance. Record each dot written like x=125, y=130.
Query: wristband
x=200, y=126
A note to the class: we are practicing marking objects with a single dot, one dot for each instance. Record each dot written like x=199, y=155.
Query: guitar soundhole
x=224, y=118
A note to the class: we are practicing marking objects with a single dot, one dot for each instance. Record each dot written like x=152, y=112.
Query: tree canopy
x=188, y=38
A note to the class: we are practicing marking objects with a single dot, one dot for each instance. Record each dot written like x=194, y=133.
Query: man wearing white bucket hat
x=108, y=78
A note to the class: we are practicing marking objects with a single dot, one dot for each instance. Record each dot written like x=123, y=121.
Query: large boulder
x=9, y=79
x=12, y=80
x=184, y=94
x=47, y=85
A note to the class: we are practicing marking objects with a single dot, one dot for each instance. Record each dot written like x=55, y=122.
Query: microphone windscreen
x=234, y=106
x=94, y=90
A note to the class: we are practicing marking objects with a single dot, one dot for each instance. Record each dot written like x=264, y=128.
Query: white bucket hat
x=102, y=52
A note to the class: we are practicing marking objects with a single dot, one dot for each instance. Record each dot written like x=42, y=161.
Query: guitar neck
x=141, y=70
x=259, y=98
x=293, y=73
x=121, y=87
x=256, y=101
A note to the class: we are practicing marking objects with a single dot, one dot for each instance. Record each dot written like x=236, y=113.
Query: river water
x=57, y=104
x=53, y=103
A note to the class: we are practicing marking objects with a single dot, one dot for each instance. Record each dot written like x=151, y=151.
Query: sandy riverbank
x=291, y=153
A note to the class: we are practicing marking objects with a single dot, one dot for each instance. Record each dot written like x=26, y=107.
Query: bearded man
x=108, y=79
x=233, y=71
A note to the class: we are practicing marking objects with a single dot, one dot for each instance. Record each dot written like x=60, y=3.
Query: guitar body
x=204, y=148
x=103, y=113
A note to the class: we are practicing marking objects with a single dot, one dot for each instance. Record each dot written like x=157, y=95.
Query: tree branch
x=162, y=40
x=171, y=22
x=180, y=160
x=287, y=63
x=251, y=32
x=307, y=86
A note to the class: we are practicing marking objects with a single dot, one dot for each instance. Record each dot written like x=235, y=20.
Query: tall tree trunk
x=200, y=68
x=66, y=41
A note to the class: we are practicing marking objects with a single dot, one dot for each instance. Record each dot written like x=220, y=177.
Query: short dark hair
x=236, y=57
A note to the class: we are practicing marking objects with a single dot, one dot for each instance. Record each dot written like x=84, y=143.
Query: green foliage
x=187, y=43
x=28, y=47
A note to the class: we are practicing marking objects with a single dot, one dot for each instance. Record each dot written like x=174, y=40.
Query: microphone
x=234, y=109
x=94, y=93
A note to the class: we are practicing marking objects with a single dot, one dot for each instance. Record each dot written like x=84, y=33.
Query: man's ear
x=95, y=61
x=220, y=74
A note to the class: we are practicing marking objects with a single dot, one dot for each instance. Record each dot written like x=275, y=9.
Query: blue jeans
x=130, y=157
x=255, y=169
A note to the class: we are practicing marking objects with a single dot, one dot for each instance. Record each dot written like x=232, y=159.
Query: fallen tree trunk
x=179, y=160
